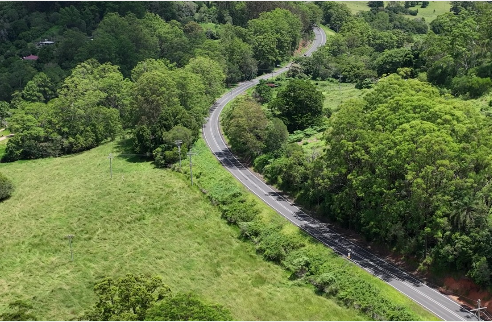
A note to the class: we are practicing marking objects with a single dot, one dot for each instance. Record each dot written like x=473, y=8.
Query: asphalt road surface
x=439, y=304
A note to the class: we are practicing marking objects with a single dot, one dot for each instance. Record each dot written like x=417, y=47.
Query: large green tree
x=127, y=298
x=246, y=128
x=410, y=168
x=299, y=105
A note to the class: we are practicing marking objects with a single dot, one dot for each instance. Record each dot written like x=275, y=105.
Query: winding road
x=439, y=304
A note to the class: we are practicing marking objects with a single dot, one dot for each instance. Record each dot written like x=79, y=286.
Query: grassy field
x=434, y=9
x=356, y=6
x=143, y=220
x=336, y=93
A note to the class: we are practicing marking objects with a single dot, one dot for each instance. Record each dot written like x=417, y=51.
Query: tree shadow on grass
x=124, y=150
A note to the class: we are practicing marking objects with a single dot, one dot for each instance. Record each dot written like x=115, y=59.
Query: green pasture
x=143, y=220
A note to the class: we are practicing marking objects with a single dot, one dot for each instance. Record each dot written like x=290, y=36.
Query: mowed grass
x=143, y=220
x=356, y=6
x=434, y=9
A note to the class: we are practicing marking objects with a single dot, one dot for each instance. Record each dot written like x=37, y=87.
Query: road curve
x=439, y=304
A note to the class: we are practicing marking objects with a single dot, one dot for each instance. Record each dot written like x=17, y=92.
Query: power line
x=191, y=170
x=178, y=143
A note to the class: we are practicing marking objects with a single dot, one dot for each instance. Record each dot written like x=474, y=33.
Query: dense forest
x=152, y=69
x=408, y=164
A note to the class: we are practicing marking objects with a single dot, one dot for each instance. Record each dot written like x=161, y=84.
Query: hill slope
x=144, y=220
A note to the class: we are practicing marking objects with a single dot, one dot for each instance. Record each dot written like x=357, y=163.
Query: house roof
x=30, y=57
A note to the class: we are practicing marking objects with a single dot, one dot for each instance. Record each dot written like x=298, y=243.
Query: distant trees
x=276, y=34
x=335, y=14
x=454, y=54
x=86, y=113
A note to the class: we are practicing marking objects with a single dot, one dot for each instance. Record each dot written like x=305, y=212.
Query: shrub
x=470, y=86
x=6, y=187
x=275, y=245
x=326, y=283
x=262, y=161
x=187, y=307
x=239, y=211
x=251, y=229
x=19, y=310
x=298, y=263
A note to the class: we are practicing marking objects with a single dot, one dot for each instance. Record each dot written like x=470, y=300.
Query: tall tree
x=299, y=105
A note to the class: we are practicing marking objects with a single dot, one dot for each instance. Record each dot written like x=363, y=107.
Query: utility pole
x=178, y=143
x=70, y=237
x=191, y=170
x=339, y=83
x=110, y=165
x=478, y=309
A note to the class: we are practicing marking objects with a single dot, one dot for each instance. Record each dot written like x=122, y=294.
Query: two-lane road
x=439, y=304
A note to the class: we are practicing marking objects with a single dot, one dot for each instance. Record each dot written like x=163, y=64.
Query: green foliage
x=263, y=93
x=187, y=307
x=275, y=245
x=470, y=86
x=398, y=168
x=391, y=60
x=457, y=49
x=238, y=210
x=276, y=35
x=6, y=187
x=276, y=136
x=335, y=14
x=480, y=271
x=19, y=311
x=291, y=171
x=127, y=298
x=211, y=75
x=299, y=105
x=246, y=128
x=86, y=113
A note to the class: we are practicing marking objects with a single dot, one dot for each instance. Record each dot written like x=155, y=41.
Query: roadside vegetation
x=306, y=260
x=406, y=163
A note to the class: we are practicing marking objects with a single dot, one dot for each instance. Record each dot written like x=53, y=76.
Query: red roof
x=30, y=57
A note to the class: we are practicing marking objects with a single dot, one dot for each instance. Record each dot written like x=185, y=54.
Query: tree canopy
x=299, y=105
x=144, y=298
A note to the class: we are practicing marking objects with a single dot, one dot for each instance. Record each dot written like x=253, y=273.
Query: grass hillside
x=144, y=220
x=430, y=13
